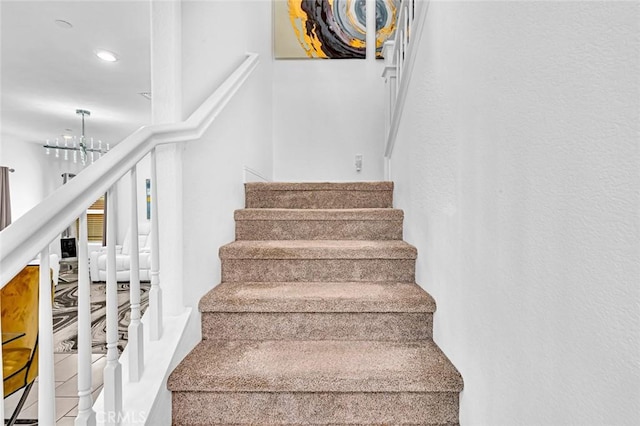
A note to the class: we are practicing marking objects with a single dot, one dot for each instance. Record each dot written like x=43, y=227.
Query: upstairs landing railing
x=399, y=59
x=32, y=234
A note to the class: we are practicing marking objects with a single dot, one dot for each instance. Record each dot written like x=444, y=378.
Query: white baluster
x=399, y=64
x=407, y=25
x=395, y=62
x=390, y=79
x=136, y=345
x=86, y=414
x=155, y=293
x=411, y=7
x=402, y=22
x=112, y=369
x=46, y=379
x=403, y=40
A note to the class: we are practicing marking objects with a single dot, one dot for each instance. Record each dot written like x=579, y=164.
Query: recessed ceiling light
x=105, y=55
x=63, y=24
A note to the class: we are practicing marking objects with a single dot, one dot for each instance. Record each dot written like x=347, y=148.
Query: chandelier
x=73, y=147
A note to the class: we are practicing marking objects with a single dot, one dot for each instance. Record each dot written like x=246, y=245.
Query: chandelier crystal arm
x=70, y=148
x=82, y=146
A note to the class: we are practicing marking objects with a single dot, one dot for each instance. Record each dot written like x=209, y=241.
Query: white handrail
x=404, y=51
x=22, y=240
x=34, y=231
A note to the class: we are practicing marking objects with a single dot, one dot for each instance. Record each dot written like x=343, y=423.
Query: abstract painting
x=333, y=29
x=386, y=22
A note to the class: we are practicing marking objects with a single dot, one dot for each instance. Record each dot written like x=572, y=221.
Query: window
x=95, y=220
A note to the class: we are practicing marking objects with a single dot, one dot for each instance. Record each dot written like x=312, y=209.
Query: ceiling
x=48, y=71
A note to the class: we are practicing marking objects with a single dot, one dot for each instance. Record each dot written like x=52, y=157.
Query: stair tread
x=318, y=249
x=319, y=186
x=317, y=297
x=315, y=366
x=319, y=214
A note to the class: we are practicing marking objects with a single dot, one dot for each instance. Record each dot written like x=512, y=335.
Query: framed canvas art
x=329, y=29
x=386, y=22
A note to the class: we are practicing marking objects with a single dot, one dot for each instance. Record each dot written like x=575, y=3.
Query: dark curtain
x=5, y=198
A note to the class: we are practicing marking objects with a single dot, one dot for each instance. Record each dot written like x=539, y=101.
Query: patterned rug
x=65, y=315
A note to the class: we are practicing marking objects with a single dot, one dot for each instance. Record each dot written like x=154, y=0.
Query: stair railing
x=399, y=58
x=33, y=232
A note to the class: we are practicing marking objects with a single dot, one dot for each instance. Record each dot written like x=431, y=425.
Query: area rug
x=65, y=315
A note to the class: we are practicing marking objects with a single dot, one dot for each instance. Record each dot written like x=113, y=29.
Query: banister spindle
x=136, y=341
x=46, y=379
x=404, y=42
x=407, y=25
x=411, y=6
x=389, y=79
x=399, y=62
x=112, y=369
x=86, y=414
x=155, y=293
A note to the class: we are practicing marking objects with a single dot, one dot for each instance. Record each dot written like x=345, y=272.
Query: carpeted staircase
x=318, y=319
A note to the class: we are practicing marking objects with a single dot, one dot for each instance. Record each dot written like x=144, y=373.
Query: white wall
x=324, y=113
x=26, y=184
x=123, y=200
x=36, y=174
x=517, y=164
x=215, y=37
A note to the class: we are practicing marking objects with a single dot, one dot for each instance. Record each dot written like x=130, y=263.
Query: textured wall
x=518, y=165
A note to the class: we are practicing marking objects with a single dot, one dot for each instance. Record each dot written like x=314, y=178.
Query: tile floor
x=66, y=370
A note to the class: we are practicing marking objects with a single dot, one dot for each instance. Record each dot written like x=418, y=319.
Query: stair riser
x=331, y=270
x=318, y=230
x=391, y=326
x=330, y=199
x=316, y=408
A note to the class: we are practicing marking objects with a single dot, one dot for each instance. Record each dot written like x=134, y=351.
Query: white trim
x=249, y=171
x=20, y=242
x=407, y=72
x=138, y=398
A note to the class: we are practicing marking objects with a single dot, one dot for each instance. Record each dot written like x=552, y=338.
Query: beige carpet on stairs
x=318, y=319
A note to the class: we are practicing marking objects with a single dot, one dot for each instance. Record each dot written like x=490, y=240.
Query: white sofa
x=98, y=259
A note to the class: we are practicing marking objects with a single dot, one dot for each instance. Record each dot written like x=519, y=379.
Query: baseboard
x=251, y=175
